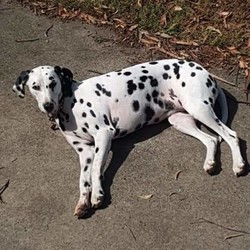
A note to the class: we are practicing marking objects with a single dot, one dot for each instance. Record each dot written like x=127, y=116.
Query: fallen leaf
x=133, y=27
x=163, y=20
x=164, y=35
x=145, y=197
x=177, y=8
x=192, y=43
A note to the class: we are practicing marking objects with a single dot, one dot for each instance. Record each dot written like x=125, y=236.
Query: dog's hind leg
x=186, y=124
x=205, y=114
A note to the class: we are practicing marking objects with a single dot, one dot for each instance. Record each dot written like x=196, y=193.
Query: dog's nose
x=48, y=106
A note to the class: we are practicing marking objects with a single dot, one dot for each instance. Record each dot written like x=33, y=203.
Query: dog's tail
x=223, y=106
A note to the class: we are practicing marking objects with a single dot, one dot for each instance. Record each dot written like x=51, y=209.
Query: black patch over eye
x=36, y=87
x=52, y=85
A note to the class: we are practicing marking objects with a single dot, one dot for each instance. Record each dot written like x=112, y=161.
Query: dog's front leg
x=86, y=159
x=102, y=147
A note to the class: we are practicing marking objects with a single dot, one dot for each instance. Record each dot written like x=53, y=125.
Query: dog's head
x=47, y=84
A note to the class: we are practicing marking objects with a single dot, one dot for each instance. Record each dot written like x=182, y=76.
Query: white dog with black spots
x=93, y=112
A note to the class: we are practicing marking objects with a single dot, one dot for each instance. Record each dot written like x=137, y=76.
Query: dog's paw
x=96, y=200
x=81, y=209
x=239, y=169
x=209, y=166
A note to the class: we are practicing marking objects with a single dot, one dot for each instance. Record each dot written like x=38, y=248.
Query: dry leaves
x=145, y=197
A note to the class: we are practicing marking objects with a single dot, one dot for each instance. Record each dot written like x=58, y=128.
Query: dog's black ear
x=20, y=83
x=64, y=72
x=66, y=77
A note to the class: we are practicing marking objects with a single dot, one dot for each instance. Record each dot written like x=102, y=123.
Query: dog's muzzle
x=49, y=107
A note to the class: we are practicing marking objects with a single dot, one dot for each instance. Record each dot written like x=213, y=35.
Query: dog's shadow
x=122, y=147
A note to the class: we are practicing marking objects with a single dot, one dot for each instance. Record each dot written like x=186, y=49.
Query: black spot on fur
x=143, y=78
x=148, y=97
x=119, y=73
x=193, y=74
x=106, y=121
x=165, y=76
x=160, y=103
x=209, y=83
x=166, y=67
x=168, y=105
x=84, y=114
x=127, y=73
x=199, y=68
x=92, y=113
x=131, y=87
x=154, y=83
x=84, y=130
x=153, y=63
x=141, y=85
x=79, y=149
x=85, y=168
x=96, y=150
x=155, y=100
x=213, y=91
x=191, y=64
x=86, y=184
x=86, y=125
x=88, y=160
x=206, y=102
x=89, y=104
x=75, y=142
x=97, y=93
x=96, y=126
x=183, y=84
x=155, y=93
x=81, y=101
x=149, y=112
x=143, y=67
x=211, y=100
x=116, y=100
x=136, y=106
x=176, y=70
x=52, y=85
x=181, y=62
x=145, y=71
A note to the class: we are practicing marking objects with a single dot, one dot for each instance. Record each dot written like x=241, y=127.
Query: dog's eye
x=36, y=87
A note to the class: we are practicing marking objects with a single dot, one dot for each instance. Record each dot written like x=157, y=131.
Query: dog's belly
x=129, y=118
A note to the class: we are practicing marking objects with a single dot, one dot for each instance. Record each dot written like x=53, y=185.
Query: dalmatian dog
x=93, y=112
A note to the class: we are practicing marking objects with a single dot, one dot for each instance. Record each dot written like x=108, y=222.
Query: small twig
x=221, y=79
x=202, y=220
x=233, y=236
x=27, y=40
x=96, y=72
x=2, y=189
x=178, y=173
x=237, y=76
x=131, y=232
x=46, y=33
